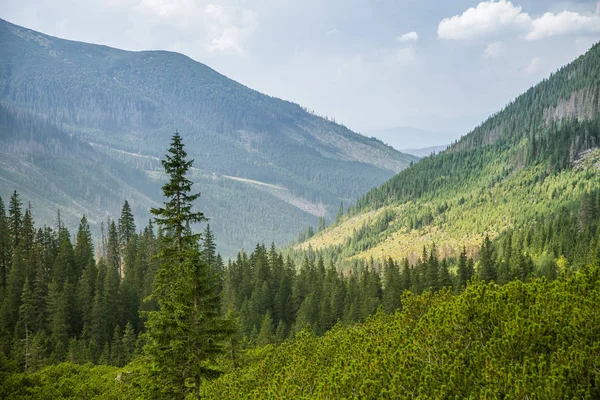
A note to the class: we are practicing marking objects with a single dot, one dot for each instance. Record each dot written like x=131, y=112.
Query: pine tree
x=14, y=219
x=9, y=310
x=463, y=273
x=406, y=279
x=27, y=314
x=126, y=224
x=187, y=330
x=129, y=342
x=265, y=336
x=432, y=273
x=280, y=332
x=392, y=289
x=209, y=249
x=5, y=249
x=84, y=248
x=113, y=249
x=40, y=291
x=111, y=298
x=27, y=230
x=64, y=264
x=487, y=268
x=58, y=322
x=445, y=278
x=98, y=324
x=117, y=356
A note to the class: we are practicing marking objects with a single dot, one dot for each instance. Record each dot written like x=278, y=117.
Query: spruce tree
x=84, y=248
x=487, y=268
x=64, y=264
x=14, y=219
x=9, y=311
x=265, y=336
x=463, y=273
x=185, y=334
x=126, y=224
x=27, y=230
x=129, y=342
x=406, y=279
x=445, y=280
x=25, y=326
x=40, y=291
x=27, y=312
x=113, y=251
x=117, y=356
x=4, y=248
x=209, y=249
x=58, y=322
x=392, y=288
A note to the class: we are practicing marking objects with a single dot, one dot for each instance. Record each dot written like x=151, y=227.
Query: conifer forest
x=231, y=245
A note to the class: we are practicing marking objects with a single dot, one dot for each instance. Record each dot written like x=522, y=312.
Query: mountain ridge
x=126, y=105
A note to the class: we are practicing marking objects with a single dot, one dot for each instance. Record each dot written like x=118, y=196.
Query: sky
x=372, y=65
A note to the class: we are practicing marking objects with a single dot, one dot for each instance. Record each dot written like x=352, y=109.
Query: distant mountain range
x=407, y=137
x=424, y=152
x=83, y=127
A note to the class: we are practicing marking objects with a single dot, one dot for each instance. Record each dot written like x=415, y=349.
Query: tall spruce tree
x=14, y=219
x=4, y=248
x=209, y=248
x=487, y=268
x=463, y=273
x=393, y=288
x=126, y=224
x=185, y=334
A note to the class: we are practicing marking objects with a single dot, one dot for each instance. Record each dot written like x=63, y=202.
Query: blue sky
x=437, y=65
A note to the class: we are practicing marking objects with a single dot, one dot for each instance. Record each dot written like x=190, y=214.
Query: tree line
x=161, y=295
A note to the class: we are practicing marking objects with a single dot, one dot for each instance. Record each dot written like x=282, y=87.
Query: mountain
x=424, y=152
x=83, y=127
x=408, y=137
x=534, y=162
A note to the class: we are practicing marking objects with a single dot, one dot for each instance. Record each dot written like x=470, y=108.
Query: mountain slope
x=537, y=156
x=266, y=167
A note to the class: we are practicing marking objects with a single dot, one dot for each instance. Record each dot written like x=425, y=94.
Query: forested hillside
x=157, y=313
x=530, y=161
x=271, y=166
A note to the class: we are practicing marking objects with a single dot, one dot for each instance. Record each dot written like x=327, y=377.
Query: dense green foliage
x=537, y=338
x=534, y=339
x=58, y=302
x=275, y=298
x=122, y=106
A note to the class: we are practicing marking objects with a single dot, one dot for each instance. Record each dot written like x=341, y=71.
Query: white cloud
x=218, y=28
x=502, y=17
x=564, y=23
x=534, y=65
x=494, y=50
x=408, y=37
x=487, y=18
